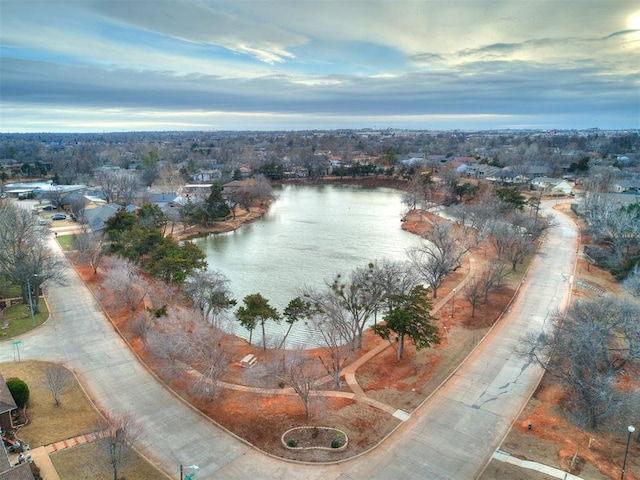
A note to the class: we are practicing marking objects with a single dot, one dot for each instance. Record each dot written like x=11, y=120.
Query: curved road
x=452, y=436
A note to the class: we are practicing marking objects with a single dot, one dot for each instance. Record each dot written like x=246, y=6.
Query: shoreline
x=257, y=212
x=225, y=226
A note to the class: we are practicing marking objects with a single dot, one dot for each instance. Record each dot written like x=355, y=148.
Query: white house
x=552, y=185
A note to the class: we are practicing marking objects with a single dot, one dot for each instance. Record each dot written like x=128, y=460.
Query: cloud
x=194, y=21
x=322, y=60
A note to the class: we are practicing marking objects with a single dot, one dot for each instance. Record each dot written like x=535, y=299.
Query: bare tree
x=209, y=291
x=54, y=195
x=476, y=220
x=473, y=292
x=190, y=348
x=170, y=179
x=118, y=186
x=116, y=436
x=512, y=244
x=359, y=295
x=435, y=259
x=25, y=259
x=123, y=280
x=89, y=246
x=56, y=379
x=394, y=278
x=141, y=325
x=334, y=329
x=205, y=354
x=167, y=346
x=301, y=373
x=632, y=283
x=586, y=351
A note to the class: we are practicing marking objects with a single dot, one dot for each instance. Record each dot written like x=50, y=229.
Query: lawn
x=18, y=319
x=84, y=462
x=64, y=241
x=75, y=416
x=7, y=290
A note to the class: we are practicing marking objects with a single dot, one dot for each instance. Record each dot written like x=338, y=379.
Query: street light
x=630, y=429
x=453, y=301
x=33, y=320
x=190, y=476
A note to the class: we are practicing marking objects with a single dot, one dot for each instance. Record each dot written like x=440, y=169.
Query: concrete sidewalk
x=41, y=457
x=42, y=460
x=538, y=467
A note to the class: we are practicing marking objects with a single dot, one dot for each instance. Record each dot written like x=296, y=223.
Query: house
x=7, y=405
x=552, y=185
x=163, y=200
x=465, y=160
x=481, y=170
x=14, y=472
x=207, y=175
x=627, y=185
x=533, y=171
x=412, y=161
x=230, y=187
x=506, y=177
x=96, y=217
x=196, y=190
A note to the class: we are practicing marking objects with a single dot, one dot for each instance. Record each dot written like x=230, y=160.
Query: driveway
x=451, y=437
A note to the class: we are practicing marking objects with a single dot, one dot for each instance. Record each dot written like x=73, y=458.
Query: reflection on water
x=309, y=234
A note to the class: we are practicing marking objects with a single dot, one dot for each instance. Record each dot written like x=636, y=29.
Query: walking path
x=453, y=435
x=349, y=372
x=539, y=467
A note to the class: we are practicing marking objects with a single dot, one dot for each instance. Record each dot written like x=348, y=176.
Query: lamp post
x=630, y=429
x=453, y=301
x=33, y=320
x=190, y=476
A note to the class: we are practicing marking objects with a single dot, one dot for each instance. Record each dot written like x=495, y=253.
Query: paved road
x=452, y=437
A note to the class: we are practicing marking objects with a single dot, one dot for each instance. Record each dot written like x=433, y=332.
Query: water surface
x=309, y=234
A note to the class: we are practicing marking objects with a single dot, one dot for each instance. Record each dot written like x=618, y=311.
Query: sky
x=163, y=65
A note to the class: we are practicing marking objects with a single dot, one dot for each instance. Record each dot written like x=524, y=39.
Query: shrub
x=335, y=443
x=19, y=391
x=292, y=443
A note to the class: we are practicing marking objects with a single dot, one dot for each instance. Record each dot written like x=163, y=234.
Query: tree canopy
x=411, y=317
x=256, y=311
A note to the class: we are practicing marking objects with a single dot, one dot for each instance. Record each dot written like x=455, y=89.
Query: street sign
x=16, y=349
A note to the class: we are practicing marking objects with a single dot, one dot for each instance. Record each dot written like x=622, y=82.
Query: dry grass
x=75, y=416
x=47, y=424
x=83, y=462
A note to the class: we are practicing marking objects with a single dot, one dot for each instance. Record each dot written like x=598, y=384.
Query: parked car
x=58, y=216
x=48, y=207
x=43, y=221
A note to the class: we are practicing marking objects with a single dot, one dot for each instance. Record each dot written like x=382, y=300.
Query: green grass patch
x=16, y=320
x=65, y=241
x=9, y=291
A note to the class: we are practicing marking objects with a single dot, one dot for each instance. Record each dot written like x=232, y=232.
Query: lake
x=309, y=234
